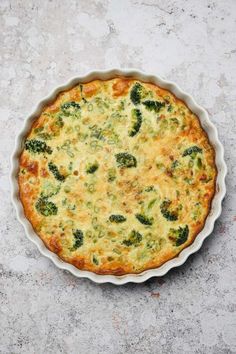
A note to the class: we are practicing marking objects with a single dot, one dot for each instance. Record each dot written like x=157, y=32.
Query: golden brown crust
x=121, y=86
x=63, y=201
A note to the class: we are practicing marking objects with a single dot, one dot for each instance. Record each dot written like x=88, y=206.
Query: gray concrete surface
x=191, y=309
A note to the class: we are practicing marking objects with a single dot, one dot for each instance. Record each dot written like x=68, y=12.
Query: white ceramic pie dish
x=216, y=202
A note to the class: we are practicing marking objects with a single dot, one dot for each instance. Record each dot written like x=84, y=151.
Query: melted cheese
x=163, y=199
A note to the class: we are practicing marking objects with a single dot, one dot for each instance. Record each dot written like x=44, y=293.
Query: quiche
x=117, y=176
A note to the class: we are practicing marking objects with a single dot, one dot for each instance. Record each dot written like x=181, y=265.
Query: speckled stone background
x=45, y=310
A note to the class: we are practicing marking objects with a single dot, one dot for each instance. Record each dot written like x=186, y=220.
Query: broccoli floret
x=124, y=159
x=192, y=151
x=92, y=167
x=136, y=93
x=153, y=105
x=179, y=236
x=143, y=219
x=78, y=239
x=117, y=218
x=134, y=239
x=53, y=168
x=70, y=108
x=37, y=146
x=169, y=215
x=46, y=208
x=136, y=119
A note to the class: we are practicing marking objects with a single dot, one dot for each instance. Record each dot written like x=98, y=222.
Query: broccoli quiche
x=117, y=176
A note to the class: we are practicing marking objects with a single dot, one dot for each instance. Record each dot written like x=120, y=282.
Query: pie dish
x=120, y=174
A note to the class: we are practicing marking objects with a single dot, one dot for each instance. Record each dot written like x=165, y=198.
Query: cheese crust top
x=117, y=176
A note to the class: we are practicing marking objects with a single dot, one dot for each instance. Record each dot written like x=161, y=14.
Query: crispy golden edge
x=107, y=268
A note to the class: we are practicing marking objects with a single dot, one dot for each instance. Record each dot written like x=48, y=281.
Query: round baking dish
x=216, y=202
